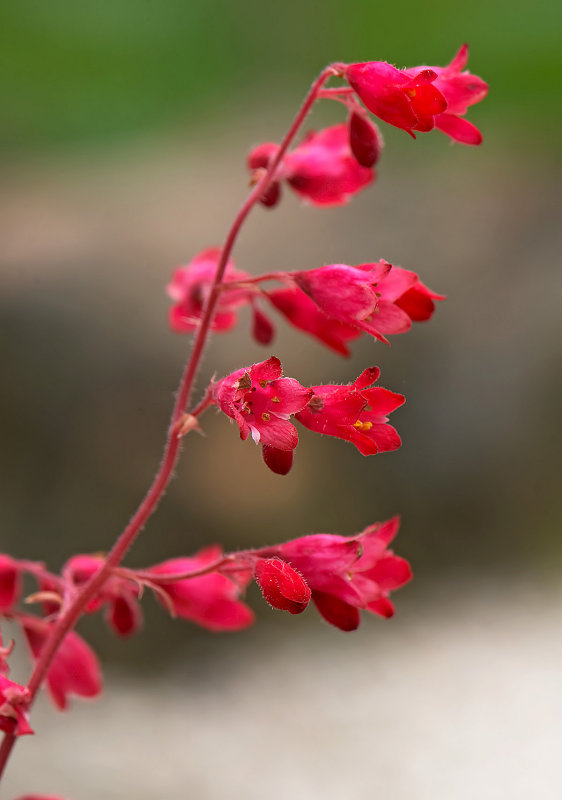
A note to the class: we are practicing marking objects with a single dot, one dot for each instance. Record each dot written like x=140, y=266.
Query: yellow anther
x=363, y=426
x=263, y=384
x=275, y=399
x=265, y=416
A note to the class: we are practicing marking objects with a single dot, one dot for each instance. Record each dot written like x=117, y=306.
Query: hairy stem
x=71, y=614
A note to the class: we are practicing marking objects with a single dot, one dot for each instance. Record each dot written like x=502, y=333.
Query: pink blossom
x=10, y=583
x=118, y=594
x=405, y=99
x=356, y=412
x=74, y=669
x=14, y=705
x=377, y=298
x=347, y=574
x=304, y=314
x=322, y=169
x=461, y=90
x=282, y=586
x=210, y=600
x=261, y=402
x=421, y=98
x=190, y=287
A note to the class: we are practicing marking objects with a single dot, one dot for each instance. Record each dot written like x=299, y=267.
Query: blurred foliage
x=93, y=72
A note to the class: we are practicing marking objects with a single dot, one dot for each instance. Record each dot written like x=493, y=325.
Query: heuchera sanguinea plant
x=335, y=304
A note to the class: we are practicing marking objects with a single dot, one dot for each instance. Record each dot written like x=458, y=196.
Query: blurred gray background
x=122, y=147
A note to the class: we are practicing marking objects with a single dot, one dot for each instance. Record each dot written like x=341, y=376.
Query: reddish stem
x=70, y=615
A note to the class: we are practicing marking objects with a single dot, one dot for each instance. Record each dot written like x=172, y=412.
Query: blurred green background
x=124, y=130
x=90, y=73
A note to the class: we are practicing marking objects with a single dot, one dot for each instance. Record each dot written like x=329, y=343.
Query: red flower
x=10, y=583
x=405, y=99
x=347, y=574
x=421, y=98
x=75, y=668
x=118, y=594
x=322, y=169
x=355, y=413
x=190, y=287
x=282, y=586
x=304, y=314
x=14, y=704
x=377, y=298
x=461, y=90
x=209, y=600
x=261, y=402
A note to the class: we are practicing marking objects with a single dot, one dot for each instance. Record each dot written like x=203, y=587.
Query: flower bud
x=365, y=140
x=282, y=586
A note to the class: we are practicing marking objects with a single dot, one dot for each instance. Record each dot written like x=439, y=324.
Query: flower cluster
x=335, y=304
x=341, y=575
x=261, y=401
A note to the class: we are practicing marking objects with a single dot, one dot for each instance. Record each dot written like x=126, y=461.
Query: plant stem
x=70, y=615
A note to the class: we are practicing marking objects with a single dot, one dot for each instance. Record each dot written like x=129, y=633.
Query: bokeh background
x=122, y=143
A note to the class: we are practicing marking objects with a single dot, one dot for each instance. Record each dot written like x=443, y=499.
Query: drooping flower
x=304, y=314
x=211, y=600
x=261, y=401
x=357, y=412
x=190, y=287
x=323, y=169
x=461, y=90
x=405, y=99
x=346, y=574
x=378, y=299
x=118, y=594
x=281, y=585
x=14, y=705
x=74, y=669
x=421, y=98
x=10, y=583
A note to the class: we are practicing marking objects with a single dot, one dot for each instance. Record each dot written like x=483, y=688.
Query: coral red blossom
x=378, y=298
x=346, y=574
x=356, y=412
x=304, y=314
x=461, y=90
x=74, y=669
x=261, y=401
x=190, y=287
x=14, y=704
x=211, y=600
x=421, y=98
x=323, y=169
x=118, y=594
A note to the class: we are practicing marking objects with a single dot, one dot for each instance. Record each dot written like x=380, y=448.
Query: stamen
x=363, y=426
